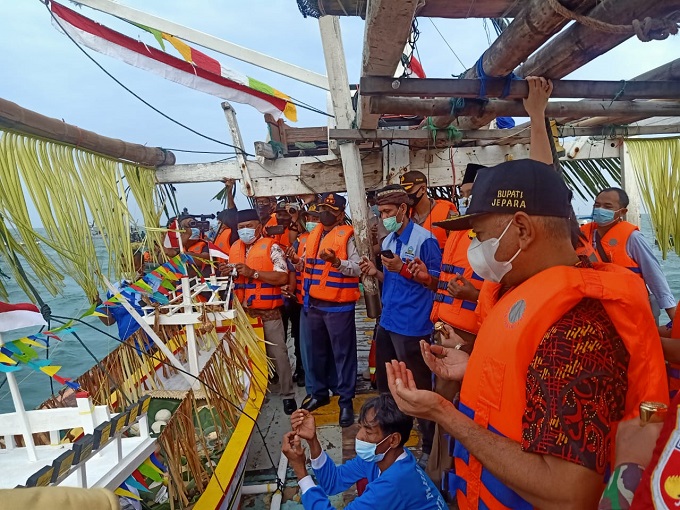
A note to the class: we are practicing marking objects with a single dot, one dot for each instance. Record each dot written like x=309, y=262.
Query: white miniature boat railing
x=100, y=458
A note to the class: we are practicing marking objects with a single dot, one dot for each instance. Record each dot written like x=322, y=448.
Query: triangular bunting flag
x=131, y=482
x=30, y=341
x=150, y=471
x=51, y=370
x=126, y=494
x=140, y=478
x=6, y=359
x=9, y=368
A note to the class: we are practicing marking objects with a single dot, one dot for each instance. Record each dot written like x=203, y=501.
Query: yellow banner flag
x=28, y=341
x=183, y=48
x=126, y=494
x=50, y=369
x=6, y=359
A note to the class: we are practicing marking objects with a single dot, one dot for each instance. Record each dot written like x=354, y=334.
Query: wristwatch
x=256, y=275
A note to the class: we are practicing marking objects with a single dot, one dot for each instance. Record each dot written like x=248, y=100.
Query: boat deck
x=338, y=442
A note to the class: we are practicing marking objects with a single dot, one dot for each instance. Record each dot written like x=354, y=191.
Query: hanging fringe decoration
x=656, y=162
x=70, y=188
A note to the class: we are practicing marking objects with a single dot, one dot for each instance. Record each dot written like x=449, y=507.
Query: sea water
x=72, y=302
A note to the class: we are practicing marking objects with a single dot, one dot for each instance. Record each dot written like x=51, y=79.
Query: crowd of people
x=521, y=343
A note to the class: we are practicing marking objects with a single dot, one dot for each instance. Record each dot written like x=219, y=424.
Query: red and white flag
x=216, y=253
x=201, y=72
x=20, y=315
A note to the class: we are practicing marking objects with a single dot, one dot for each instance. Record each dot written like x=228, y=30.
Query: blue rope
x=479, y=68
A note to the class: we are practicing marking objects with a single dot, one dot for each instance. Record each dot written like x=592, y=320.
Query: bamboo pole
x=497, y=108
x=20, y=119
x=532, y=27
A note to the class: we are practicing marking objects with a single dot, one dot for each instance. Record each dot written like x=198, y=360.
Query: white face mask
x=482, y=258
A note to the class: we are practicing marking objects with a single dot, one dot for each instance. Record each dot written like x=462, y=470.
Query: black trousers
x=390, y=346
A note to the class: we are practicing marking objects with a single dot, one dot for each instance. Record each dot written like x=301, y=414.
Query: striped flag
x=198, y=71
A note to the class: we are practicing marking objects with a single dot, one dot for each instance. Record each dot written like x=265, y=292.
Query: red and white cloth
x=19, y=315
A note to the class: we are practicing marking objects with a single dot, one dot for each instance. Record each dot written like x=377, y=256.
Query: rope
x=452, y=132
x=479, y=69
x=646, y=30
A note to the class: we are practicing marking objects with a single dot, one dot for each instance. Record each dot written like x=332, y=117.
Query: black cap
x=471, y=172
x=520, y=185
x=334, y=201
x=411, y=178
x=248, y=215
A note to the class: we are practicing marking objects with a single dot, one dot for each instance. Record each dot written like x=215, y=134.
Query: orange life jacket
x=321, y=280
x=614, y=244
x=222, y=240
x=299, y=287
x=440, y=212
x=250, y=292
x=456, y=312
x=673, y=369
x=493, y=393
x=488, y=296
x=196, y=249
x=283, y=240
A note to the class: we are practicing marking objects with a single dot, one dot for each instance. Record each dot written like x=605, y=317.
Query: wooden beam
x=579, y=44
x=301, y=175
x=388, y=27
x=352, y=168
x=669, y=71
x=532, y=27
x=13, y=116
x=432, y=8
x=496, y=134
x=467, y=88
x=498, y=108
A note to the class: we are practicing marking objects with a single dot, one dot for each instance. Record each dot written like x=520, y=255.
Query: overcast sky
x=42, y=70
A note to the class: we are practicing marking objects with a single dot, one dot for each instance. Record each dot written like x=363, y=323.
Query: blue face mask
x=603, y=217
x=310, y=225
x=195, y=234
x=247, y=235
x=462, y=209
x=366, y=450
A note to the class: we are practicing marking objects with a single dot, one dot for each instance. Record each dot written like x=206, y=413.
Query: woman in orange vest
x=262, y=270
x=561, y=358
x=426, y=211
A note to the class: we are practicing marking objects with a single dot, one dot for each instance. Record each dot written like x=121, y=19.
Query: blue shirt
x=403, y=486
x=406, y=303
x=127, y=325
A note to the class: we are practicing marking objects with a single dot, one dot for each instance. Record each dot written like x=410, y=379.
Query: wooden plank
x=388, y=27
x=432, y=8
x=498, y=108
x=310, y=134
x=496, y=134
x=469, y=88
x=296, y=176
x=20, y=119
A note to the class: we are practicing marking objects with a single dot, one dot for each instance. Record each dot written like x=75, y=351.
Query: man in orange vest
x=426, y=211
x=331, y=290
x=615, y=240
x=226, y=233
x=262, y=270
x=567, y=352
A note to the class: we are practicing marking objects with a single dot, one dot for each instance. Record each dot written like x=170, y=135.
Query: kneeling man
x=395, y=481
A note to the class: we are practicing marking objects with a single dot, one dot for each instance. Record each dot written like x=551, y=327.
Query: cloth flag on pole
x=20, y=315
x=198, y=71
x=216, y=253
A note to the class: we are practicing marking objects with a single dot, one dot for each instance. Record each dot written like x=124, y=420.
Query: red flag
x=416, y=68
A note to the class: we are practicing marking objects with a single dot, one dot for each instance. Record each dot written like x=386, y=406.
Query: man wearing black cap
x=426, y=211
x=405, y=318
x=262, y=270
x=567, y=351
x=331, y=290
